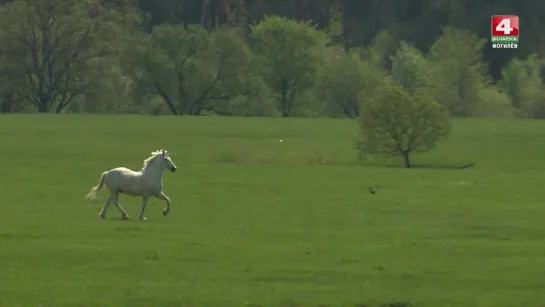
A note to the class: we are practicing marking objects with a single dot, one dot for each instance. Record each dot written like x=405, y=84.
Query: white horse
x=146, y=183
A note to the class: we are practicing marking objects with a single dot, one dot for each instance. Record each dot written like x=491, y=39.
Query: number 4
x=504, y=26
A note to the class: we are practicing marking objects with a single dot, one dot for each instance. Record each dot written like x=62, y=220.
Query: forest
x=304, y=58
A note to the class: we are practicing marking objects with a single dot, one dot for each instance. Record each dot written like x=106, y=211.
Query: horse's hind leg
x=105, y=207
x=124, y=215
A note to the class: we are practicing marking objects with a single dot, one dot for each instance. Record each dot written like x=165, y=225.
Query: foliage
x=261, y=58
x=191, y=69
x=340, y=81
x=378, y=53
x=459, y=71
x=56, y=45
x=10, y=85
x=344, y=80
x=411, y=69
x=523, y=84
x=396, y=122
x=494, y=103
x=110, y=93
x=290, y=53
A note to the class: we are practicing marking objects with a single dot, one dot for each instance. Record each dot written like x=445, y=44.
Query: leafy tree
x=523, y=84
x=395, y=122
x=459, y=70
x=343, y=79
x=340, y=81
x=290, y=54
x=55, y=44
x=110, y=93
x=379, y=52
x=411, y=69
x=191, y=69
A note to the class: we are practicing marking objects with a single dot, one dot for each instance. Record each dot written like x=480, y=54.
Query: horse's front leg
x=162, y=196
x=143, y=208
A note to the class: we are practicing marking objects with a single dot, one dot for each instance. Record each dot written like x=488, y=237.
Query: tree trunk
x=246, y=19
x=170, y=105
x=43, y=106
x=166, y=99
x=7, y=104
x=204, y=8
x=345, y=27
x=59, y=108
x=405, y=155
x=348, y=112
x=284, y=102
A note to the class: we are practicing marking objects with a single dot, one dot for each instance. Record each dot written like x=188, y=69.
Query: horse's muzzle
x=173, y=169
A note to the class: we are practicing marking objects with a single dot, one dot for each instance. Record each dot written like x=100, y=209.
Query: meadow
x=258, y=222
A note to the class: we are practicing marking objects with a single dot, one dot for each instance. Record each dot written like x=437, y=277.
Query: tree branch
x=204, y=95
x=226, y=96
x=165, y=97
x=65, y=101
x=290, y=99
x=181, y=88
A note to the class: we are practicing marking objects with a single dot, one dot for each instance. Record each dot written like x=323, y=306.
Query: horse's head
x=167, y=161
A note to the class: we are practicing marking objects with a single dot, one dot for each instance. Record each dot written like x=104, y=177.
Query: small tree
x=290, y=54
x=395, y=122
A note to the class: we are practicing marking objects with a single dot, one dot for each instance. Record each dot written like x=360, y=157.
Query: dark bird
x=371, y=191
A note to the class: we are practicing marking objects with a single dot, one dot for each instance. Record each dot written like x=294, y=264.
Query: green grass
x=255, y=222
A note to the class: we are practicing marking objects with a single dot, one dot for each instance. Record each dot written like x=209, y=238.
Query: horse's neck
x=153, y=171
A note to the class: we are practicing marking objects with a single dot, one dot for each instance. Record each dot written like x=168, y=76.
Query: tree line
x=266, y=58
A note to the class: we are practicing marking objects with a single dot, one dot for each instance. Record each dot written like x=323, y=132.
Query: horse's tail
x=93, y=193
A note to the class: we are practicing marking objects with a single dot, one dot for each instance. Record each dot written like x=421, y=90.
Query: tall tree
x=192, y=70
x=55, y=44
x=411, y=69
x=290, y=54
x=340, y=80
x=459, y=70
x=523, y=84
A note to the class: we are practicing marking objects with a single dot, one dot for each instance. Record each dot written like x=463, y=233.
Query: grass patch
x=256, y=222
x=276, y=157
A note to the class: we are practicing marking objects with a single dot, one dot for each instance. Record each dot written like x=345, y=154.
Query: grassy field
x=256, y=222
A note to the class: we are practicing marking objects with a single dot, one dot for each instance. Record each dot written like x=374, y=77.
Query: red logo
x=505, y=25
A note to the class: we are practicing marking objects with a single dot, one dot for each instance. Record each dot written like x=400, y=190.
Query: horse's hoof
x=124, y=217
x=142, y=218
x=165, y=213
x=102, y=216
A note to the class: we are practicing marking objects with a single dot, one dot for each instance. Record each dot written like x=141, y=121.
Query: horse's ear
x=163, y=152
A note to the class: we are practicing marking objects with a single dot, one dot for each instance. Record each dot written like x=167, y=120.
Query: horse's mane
x=154, y=155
